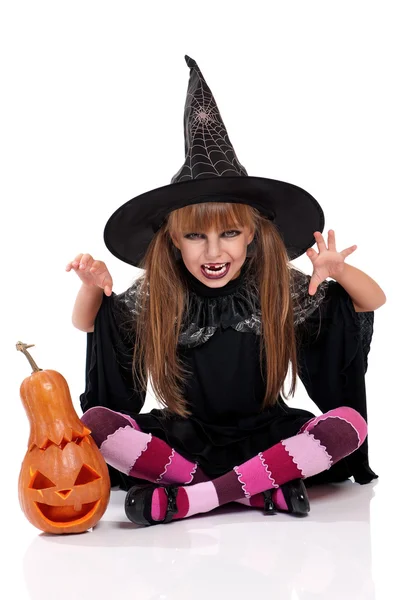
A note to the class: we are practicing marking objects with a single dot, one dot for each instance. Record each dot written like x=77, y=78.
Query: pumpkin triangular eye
x=40, y=482
x=86, y=475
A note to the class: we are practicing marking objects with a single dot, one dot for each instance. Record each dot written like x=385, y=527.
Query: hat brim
x=294, y=211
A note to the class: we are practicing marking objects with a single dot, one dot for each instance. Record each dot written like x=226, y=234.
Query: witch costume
x=220, y=337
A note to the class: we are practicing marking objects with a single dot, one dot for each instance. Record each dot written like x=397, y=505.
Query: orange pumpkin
x=64, y=484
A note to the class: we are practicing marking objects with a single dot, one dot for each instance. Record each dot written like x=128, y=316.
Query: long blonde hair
x=162, y=310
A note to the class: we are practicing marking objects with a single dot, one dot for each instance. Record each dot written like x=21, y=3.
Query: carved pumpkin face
x=64, y=484
x=66, y=487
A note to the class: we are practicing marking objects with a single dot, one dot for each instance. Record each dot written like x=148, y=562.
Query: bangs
x=200, y=218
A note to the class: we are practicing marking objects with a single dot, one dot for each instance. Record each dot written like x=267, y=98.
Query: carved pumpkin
x=64, y=484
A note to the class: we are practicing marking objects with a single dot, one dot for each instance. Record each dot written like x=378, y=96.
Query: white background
x=92, y=99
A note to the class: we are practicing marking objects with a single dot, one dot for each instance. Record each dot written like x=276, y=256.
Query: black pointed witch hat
x=211, y=173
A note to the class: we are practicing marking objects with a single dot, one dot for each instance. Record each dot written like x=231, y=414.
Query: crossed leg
x=142, y=455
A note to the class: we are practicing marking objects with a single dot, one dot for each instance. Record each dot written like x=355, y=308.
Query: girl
x=215, y=320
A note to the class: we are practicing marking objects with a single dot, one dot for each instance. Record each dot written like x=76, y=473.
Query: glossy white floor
x=340, y=550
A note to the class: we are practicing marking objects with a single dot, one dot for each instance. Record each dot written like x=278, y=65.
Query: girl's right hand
x=92, y=272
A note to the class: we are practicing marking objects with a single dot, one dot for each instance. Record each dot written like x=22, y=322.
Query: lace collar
x=234, y=305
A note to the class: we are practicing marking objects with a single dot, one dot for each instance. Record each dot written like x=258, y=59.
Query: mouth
x=215, y=271
x=66, y=514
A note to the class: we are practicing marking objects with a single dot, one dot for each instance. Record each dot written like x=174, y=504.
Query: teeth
x=219, y=271
x=218, y=266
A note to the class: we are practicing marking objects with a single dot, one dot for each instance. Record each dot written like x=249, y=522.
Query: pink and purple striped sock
x=322, y=442
x=133, y=452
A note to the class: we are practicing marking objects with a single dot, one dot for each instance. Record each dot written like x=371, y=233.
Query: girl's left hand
x=329, y=262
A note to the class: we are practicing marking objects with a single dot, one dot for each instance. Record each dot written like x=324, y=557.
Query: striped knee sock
x=257, y=501
x=322, y=442
x=133, y=452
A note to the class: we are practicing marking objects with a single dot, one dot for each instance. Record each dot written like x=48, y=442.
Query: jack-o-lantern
x=64, y=484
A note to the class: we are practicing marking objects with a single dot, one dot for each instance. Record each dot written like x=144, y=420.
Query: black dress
x=219, y=343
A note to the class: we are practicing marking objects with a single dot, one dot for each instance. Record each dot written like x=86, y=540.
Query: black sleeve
x=109, y=380
x=333, y=348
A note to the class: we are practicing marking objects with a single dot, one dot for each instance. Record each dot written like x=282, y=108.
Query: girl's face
x=225, y=251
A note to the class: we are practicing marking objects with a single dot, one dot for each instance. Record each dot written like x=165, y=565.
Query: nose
x=213, y=248
x=64, y=493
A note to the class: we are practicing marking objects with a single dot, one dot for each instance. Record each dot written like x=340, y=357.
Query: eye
x=86, y=475
x=40, y=482
x=191, y=236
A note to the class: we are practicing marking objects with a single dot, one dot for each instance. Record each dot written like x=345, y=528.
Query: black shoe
x=296, y=497
x=138, y=503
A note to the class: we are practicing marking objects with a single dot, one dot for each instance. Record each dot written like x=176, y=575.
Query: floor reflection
x=233, y=552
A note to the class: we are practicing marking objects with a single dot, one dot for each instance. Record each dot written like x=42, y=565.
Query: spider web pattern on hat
x=208, y=149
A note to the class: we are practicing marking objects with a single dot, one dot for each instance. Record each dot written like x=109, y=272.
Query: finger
x=100, y=272
x=103, y=277
x=74, y=263
x=107, y=284
x=97, y=265
x=85, y=261
x=312, y=289
x=348, y=251
x=313, y=285
x=77, y=258
x=331, y=240
x=319, y=240
x=311, y=253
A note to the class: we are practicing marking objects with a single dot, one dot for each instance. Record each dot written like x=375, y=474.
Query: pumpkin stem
x=23, y=348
